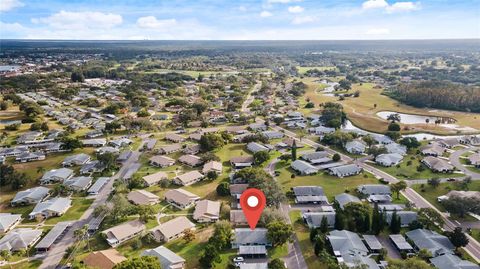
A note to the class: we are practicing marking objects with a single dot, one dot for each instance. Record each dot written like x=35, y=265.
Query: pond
x=415, y=119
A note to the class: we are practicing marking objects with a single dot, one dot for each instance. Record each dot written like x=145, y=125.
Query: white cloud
x=80, y=20
x=265, y=14
x=378, y=31
x=295, y=9
x=302, y=20
x=242, y=8
x=403, y=7
x=152, y=22
x=6, y=5
x=373, y=4
x=282, y=1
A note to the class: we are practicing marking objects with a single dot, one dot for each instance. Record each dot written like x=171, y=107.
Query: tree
x=209, y=257
x=212, y=175
x=461, y=206
x=223, y=189
x=375, y=151
x=146, y=212
x=211, y=141
x=394, y=117
x=261, y=156
x=188, y=235
x=410, y=263
x=3, y=105
x=434, y=182
x=394, y=127
x=398, y=187
x=5, y=254
x=429, y=217
x=424, y=254
x=377, y=225
x=410, y=142
x=271, y=214
x=260, y=179
x=319, y=244
x=77, y=76
x=276, y=264
x=324, y=225
x=294, y=150
x=121, y=207
x=80, y=234
x=457, y=237
x=393, y=135
x=339, y=221
x=313, y=234
x=345, y=84
x=144, y=262
x=108, y=159
x=336, y=157
x=357, y=214
x=395, y=223
x=69, y=143
x=278, y=233
x=333, y=115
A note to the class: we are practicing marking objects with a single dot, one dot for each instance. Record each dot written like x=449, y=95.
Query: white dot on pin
x=252, y=201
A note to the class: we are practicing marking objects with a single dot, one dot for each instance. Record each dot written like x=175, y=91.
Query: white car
x=238, y=259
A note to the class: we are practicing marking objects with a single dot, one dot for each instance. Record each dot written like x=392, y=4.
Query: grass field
x=362, y=112
x=331, y=185
x=303, y=69
x=79, y=205
x=303, y=235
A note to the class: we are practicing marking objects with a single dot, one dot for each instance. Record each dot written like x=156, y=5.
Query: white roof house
x=396, y=148
x=389, y=159
x=161, y=161
x=181, y=198
x=155, y=178
x=188, y=178
x=190, y=160
x=345, y=198
x=437, y=164
x=349, y=249
x=30, y=196
x=215, y=166
x=98, y=185
x=303, y=167
x=123, y=232
x=255, y=147
x=56, y=175
x=356, y=147
x=374, y=189
x=171, y=229
x=8, y=221
x=143, y=197
x=77, y=159
x=21, y=238
x=345, y=170
x=450, y=261
x=51, y=208
x=167, y=258
x=78, y=183
x=309, y=194
x=207, y=211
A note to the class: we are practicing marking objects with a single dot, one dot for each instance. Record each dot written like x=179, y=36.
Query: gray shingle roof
x=245, y=236
x=346, y=198
x=450, y=261
x=34, y=194
x=372, y=189
x=437, y=244
x=165, y=256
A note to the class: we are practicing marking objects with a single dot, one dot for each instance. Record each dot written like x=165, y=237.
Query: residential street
x=55, y=255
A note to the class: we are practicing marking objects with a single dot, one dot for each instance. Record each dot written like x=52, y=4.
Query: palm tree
x=40, y=170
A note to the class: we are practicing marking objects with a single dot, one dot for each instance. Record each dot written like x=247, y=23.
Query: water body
x=415, y=119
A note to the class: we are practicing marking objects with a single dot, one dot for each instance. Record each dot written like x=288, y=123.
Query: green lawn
x=24, y=265
x=79, y=205
x=191, y=251
x=331, y=185
x=278, y=252
x=303, y=235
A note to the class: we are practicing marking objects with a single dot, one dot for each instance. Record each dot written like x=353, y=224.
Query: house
x=355, y=147
x=236, y=191
x=92, y=167
x=309, y=194
x=171, y=229
x=316, y=157
x=93, y=134
x=349, y=249
x=289, y=142
x=195, y=136
x=390, y=207
x=372, y=243
x=314, y=219
x=406, y=217
x=149, y=144
x=174, y=138
x=30, y=196
x=255, y=147
x=167, y=149
x=96, y=143
x=192, y=149
x=437, y=164
x=254, y=265
x=345, y=170
x=123, y=232
x=161, y=161
x=432, y=241
x=450, y=261
x=120, y=142
x=143, y=197
x=20, y=239
x=448, y=143
x=155, y=178
x=273, y=134
x=389, y=159
x=131, y=170
x=56, y=175
x=322, y=130
x=181, y=198
x=345, y=198
x=30, y=157
x=107, y=149
x=167, y=258
x=470, y=139
x=77, y=159
x=52, y=236
x=124, y=156
x=303, y=168
x=474, y=160
x=401, y=243
x=98, y=185
x=248, y=237
x=78, y=183
x=382, y=139
x=207, y=211
x=104, y=259
x=432, y=150
x=237, y=217
x=13, y=152
x=257, y=127
x=214, y=166
x=396, y=148
x=8, y=221
x=190, y=160
x=242, y=162
x=188, y=178
x=462, y=194
x=374, y=189
x=51, y=208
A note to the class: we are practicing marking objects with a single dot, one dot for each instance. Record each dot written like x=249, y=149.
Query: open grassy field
x=362, y=111
x=303, y=235
x=79, y=205
x=191, y=251
x=331, y=185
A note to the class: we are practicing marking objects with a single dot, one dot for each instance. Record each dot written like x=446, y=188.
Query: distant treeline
x=438, y=94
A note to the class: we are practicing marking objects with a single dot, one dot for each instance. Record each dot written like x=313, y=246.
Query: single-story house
x=207, y=211
x=30, y=157
x=257, y=127
x=77, y=159
x=237, y=217
x=98, y=185
x=437, y=164
x=155, y=178
x=51, y=208
x=432, y=241
x=345, y=198
x=107, y=149
x=192, y=149
x=462, y=194
x=242, y=162
x=316, y=157
x=345, y=170
x=143, y=197
x=248, y=237
x=400, y=243
x=167, y=149
x=406, y=217
x=120, y=142
x=389, y=159
x=303, y=167
x=188, y=178
x=104, y=259
x=174, y=138
x=30, y=196
x=20, y=239
x=432, y=150
x=78, y=183
x=214, y=166
x=97, y=142
x=474, y=160
x=355, y=147
x=350, y=250
x=167, y=258
x=450, y=261
x=314, y=219
x=190, y=160
x=374, y=189
x=448, y=143
x=470, y=140
x=123, y=232
x=8, y=221
x=181, y=198
x=309, y=194
x=171, y=229
x=273, y=134
x=92, y=167
x=255, y=147
x=396, y=148
x=161, y=161
x=124, y=156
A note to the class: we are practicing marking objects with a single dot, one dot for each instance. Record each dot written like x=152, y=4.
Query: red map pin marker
x=252, y=202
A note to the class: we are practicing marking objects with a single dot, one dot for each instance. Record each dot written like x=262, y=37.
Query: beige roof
x=190, y=159
x=170, y=148
x=174, y=137
x=142, y=197
x=242, y=159
x=181, y=196
x=237, y=216
x=206, y=209
x=104, y=259
x=162, y=160
x=474, y=158
x=189, y=177
x=125, y=229
x=155, y=178
x=212, y=165
x=174, y=226
x=238, y=188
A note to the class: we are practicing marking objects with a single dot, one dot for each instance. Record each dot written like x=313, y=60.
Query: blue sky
x=239, y=20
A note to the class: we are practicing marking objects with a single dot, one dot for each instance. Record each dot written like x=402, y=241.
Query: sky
x=239, y=20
